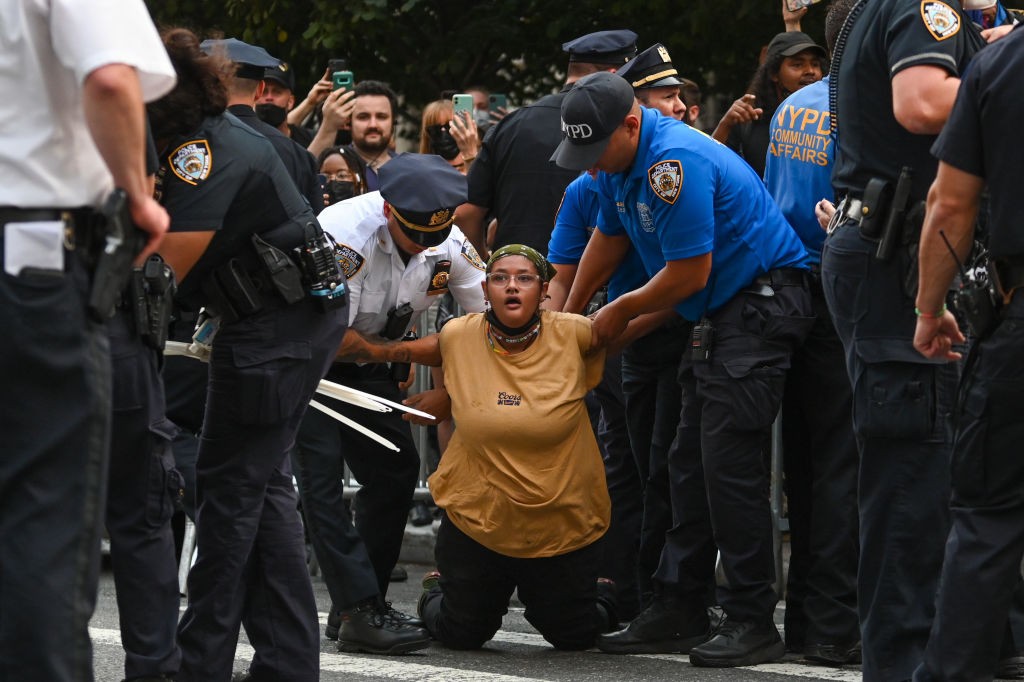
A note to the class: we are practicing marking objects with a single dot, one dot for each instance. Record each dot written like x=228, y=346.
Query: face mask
x=339, y=190
x=442, y=142
x=271, y=114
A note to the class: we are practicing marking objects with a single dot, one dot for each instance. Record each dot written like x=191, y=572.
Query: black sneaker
x=661, y=628
x=370, y=629
x=398, y=574
x=738, y=644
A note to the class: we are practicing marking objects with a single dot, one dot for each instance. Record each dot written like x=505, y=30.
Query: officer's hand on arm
x=609, y=323
x=318, y=93
x=434, y=401
x=741, y=111
x=936, y=335
x=337, y=112
x=115, y=115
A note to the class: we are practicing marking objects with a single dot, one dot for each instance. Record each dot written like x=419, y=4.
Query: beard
x=373, y=146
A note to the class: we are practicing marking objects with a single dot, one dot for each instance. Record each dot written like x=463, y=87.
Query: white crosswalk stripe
x=402, y=669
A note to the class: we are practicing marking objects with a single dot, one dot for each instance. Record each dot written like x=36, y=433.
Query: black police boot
x=404, y=618
x=398, y=574
x=664, y=627
x=737, y=644
x=420, y=515
x=370, y=628
x=333, y=623
x=1011, y=667
x=833, y=654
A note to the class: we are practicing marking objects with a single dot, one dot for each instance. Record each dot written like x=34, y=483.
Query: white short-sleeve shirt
x=47, y=49
x=380, y=281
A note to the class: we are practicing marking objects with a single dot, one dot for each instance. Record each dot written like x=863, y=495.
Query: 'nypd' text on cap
x=652, y=68
x=423, y=190
x=252, y=61
x=591, y=112
x=602, y=47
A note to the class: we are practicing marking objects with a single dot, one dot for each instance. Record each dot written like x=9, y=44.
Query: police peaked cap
x=423, y=190
x=252, y=61
x=602, y=47
x=652, y=68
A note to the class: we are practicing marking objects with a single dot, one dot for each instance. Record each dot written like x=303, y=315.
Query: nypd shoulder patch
x=192, y=161
x=666, y=178
x=941, y=20
x=470, y=254
x=350, y=260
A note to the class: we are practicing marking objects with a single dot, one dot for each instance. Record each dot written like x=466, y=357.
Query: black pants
x=622, y=541
x=144, y=486
x=252, y=561
x=820, y=462
x=55, y=420
x=356, y=561
x=559, y=593
x=986, y=542
x=651, y=392
x=718, y=465
x=902, y=408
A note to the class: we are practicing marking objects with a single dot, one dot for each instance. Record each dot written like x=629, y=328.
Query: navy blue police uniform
x=252, y=63
x=513, y=174
x=684, y=196
x=144, y=485
x=421, y=192
x=901, y=401
x=983, y=553
x=267, y=356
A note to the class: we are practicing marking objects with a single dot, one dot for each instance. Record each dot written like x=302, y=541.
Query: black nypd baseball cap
x=251, y=61
x=423, y=191
x=652, y=68
x=602, y=47
x=591, y=112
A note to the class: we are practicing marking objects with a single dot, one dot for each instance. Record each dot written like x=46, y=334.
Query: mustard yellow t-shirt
x=523, y=475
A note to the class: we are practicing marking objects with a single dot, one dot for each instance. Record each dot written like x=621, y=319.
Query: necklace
x=493, y=336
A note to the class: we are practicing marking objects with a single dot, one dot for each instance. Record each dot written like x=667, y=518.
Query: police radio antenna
x=952, y=252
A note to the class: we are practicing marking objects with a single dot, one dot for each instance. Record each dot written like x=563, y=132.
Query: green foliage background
x=422, y=47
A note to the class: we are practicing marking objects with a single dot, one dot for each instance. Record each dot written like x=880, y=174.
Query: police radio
x=324, y=279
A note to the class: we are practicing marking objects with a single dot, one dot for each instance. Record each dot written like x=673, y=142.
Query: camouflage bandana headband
x=545, y=269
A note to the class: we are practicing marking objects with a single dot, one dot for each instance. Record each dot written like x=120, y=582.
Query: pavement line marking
x=414, y=672
x=357, y=665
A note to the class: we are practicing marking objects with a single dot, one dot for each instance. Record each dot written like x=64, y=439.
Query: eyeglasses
x=501, y=279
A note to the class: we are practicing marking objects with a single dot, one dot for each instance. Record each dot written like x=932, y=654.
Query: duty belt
x=79, y=221
x=783, y=277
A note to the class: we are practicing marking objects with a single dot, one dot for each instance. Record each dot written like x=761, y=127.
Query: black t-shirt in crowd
x=226, y=177
x=886, y=38
x=750, y=141
x=514, y=176
x=982, y=137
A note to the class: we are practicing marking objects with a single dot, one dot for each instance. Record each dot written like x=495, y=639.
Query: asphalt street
x=517, y=654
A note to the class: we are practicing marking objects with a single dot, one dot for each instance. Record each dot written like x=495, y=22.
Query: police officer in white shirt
x=400, y=251
x=74, y=132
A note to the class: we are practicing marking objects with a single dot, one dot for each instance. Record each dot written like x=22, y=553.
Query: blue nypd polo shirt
x=687, y=195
